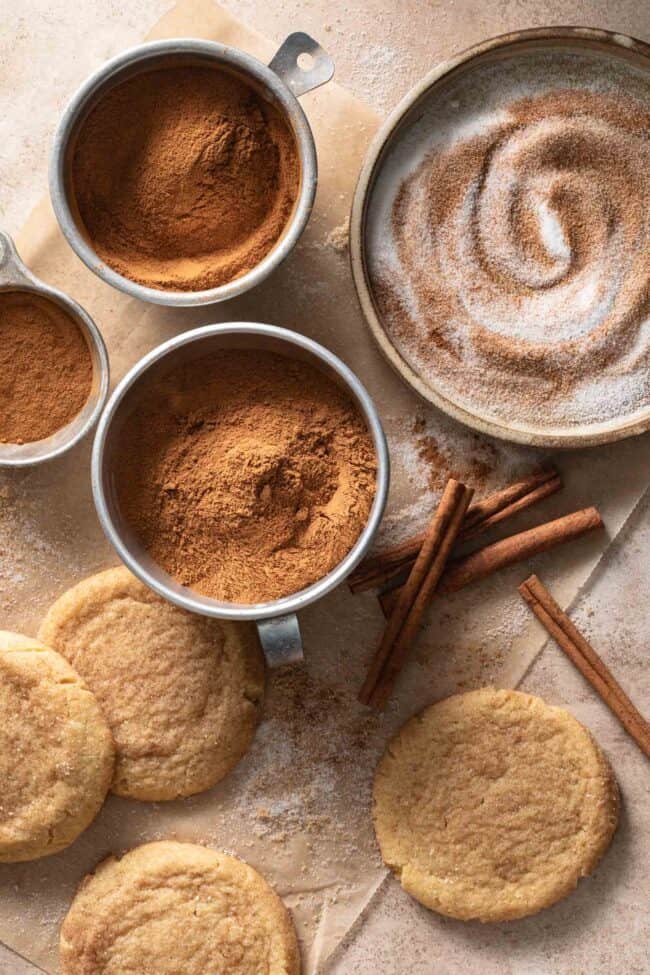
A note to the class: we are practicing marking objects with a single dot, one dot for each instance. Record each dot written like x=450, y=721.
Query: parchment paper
x=298, y=806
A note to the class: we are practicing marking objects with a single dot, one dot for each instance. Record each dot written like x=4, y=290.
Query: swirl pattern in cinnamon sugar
x=515, y=268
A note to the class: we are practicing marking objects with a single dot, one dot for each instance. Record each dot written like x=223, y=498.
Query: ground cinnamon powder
x=45, y=367
x=184, y=177
x=247, y=475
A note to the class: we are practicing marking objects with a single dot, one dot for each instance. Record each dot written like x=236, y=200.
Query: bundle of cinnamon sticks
x=380, y=570
x=415, y=594
x=410, y=574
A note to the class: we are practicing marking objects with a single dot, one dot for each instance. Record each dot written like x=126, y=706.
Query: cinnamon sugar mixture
x=184, y=177
x=247, y=475
x=511, y=260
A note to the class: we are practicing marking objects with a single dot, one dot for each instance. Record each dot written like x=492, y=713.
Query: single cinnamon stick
x=424, y=576
x=584, y=657
x=515, y=548
x=502, y=500
x=377, y=570
x=519, y=504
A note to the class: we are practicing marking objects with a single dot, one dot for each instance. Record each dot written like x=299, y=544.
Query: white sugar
x=551, y=232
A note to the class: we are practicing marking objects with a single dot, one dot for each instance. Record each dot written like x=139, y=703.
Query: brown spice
x=45, y=367
x=468, y=569
x=247, y=475
x=185, y=178
x=378, y=571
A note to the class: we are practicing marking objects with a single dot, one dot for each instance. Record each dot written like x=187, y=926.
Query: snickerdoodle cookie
x=170, y=907
x=493, y=804
x=56, y=751
x=181, y=692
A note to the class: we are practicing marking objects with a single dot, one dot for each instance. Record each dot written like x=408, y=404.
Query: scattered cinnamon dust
x=475, y=469
x=45, y=367
x=247, y=475
x=184, y=177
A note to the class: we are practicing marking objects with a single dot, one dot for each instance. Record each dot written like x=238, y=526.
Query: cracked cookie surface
x=171, y=907
x=56, y=751
x=493, y=804
x=181, y=692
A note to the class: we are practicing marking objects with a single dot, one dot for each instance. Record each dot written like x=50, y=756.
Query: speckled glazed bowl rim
x=565, y=38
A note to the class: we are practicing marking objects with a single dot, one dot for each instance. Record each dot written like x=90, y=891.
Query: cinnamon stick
x=545, y=489
x=376, y=571
x=584, y=657
x=414, y=595
x=515, y=548
x=503, y=500
x=409, y=632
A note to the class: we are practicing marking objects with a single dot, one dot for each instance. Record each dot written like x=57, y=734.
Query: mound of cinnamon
x=247, y=475
x=184, y=178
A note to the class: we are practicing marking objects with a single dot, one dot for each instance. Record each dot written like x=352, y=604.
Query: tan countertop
x=381, y=49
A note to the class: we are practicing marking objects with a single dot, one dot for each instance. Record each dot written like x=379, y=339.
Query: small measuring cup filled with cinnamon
x=53, y=364
x=241, y=472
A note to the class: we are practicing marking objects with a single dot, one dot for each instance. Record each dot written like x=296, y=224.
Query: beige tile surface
x=604, y=927
x=381, y=48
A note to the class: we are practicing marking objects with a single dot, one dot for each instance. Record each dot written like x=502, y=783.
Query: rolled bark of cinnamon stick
x=431, y=558
x=408, y=634
x=508, y=551
x=544, y=490
x=377, y=570
x=583, y=656
x=501, y=501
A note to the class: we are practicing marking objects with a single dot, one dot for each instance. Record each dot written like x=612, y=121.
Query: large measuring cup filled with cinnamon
x=241, y=471
x=184, y=171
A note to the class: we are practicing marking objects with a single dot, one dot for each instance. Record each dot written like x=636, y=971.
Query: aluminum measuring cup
x=281, y=82
x=276, y=621
x=16, y=277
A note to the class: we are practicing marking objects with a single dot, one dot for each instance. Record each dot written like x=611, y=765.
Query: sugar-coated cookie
x=493, y=804
x=181, y=692
x=56, y=751
x=167, y=908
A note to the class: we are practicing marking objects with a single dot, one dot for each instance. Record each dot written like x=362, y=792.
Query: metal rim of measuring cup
x=562, y=437
x=276, y=621
x=284, y=78
x=16, y=276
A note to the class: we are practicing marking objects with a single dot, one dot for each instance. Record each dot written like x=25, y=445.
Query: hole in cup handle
x=281, y=640
x=12, y=269
x=298, y=79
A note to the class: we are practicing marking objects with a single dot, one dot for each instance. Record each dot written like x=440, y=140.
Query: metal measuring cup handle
x=12, y=269
x=280, y=637
x=281, y=640
x=285, y=64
